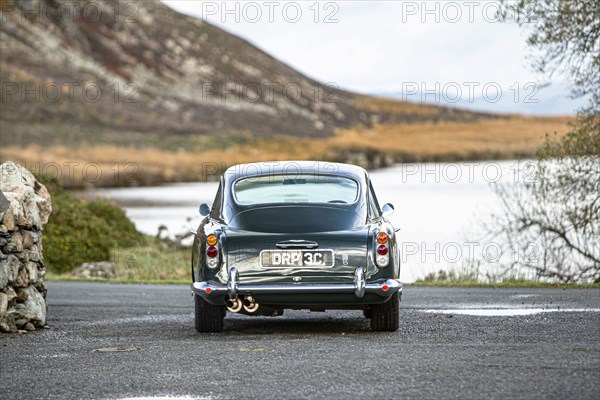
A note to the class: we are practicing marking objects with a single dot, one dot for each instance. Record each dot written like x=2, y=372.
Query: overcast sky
x=455, y=48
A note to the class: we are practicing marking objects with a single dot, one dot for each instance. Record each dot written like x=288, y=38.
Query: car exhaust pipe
x=250, y=305
x=234, y=305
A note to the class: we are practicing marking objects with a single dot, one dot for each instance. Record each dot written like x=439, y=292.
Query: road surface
x=452, y=343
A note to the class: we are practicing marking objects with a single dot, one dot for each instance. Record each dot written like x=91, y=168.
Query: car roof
x=294, y=168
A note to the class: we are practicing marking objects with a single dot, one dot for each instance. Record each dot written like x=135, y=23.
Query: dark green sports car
x=295, y=235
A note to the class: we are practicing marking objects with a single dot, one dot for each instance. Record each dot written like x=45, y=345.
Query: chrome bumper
x=212, y=291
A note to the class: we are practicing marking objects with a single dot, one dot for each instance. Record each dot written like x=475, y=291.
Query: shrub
x=118, y=223
x=81, y=231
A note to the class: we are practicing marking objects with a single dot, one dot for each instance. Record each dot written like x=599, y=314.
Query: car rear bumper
x=217, y=293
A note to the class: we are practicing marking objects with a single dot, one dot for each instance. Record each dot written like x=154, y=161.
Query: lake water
x=440, y=208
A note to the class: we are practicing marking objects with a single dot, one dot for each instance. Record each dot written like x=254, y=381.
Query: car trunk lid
x=263, y=257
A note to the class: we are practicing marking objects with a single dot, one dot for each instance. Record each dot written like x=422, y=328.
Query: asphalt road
x=440, y=350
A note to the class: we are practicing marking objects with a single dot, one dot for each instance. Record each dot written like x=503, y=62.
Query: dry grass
x=153, y=262
x=515, y=135
x=125, y=166
x=107, y=165
x=396, y=107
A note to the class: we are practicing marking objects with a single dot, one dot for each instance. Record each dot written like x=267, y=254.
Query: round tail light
x=382, y=237
x=212, y=251
x=382, y=249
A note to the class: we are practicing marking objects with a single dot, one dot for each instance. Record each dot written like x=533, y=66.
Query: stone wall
x=24, y=209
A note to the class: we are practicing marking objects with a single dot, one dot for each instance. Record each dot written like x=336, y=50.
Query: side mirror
x=204, y=209
x=387, y=209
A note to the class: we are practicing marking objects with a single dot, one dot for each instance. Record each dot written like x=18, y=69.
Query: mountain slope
x=137, y=72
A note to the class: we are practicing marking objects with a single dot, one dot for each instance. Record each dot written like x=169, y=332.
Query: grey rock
x=12, y=296
x=8, y=324
x=30, y=202
x=29, y=327
x=20, y=314
x=9, y=218
x=23, y=257
x=9, y=268
x=4, y=203
x=22, y=278
x=3, y=305
x=42, y=288
x=28, y=238
x=41, y=273
x=20, y=311
x=35, y=253
x=32, y=271
x=32, y=310
x=22, y=296
x=101, y=269
x=15, y=243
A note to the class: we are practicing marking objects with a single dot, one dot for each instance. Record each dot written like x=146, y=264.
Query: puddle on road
x=165, y=398
x=116, y=349
x=508, y=312
x=523, y=296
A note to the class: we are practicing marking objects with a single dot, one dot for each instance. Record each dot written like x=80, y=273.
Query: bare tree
x=567, y=35
x=551, y=224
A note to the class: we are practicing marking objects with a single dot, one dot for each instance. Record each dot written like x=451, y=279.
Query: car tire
x=386, y=317
x=208, y=317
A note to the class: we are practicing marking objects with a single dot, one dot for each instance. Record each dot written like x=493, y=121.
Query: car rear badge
x=345, y=259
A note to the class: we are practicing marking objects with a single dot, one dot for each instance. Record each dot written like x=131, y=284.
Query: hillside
x=83, y=79
x=188, y=77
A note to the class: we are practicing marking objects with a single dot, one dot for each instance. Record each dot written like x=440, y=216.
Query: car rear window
x=296, y=189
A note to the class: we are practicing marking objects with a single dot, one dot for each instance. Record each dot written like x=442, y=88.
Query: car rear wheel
x=208, y=317
x=386, y=316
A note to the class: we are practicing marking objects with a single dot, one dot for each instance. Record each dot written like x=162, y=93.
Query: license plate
x=296, y=258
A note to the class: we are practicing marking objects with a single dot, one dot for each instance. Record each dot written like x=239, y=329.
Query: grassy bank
x=153, y=261
x=202, y=158
x=149, y=260
x=69, y=278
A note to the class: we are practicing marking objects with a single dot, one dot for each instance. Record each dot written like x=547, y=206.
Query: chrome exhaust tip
x=234, y=305
x=250, y=305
